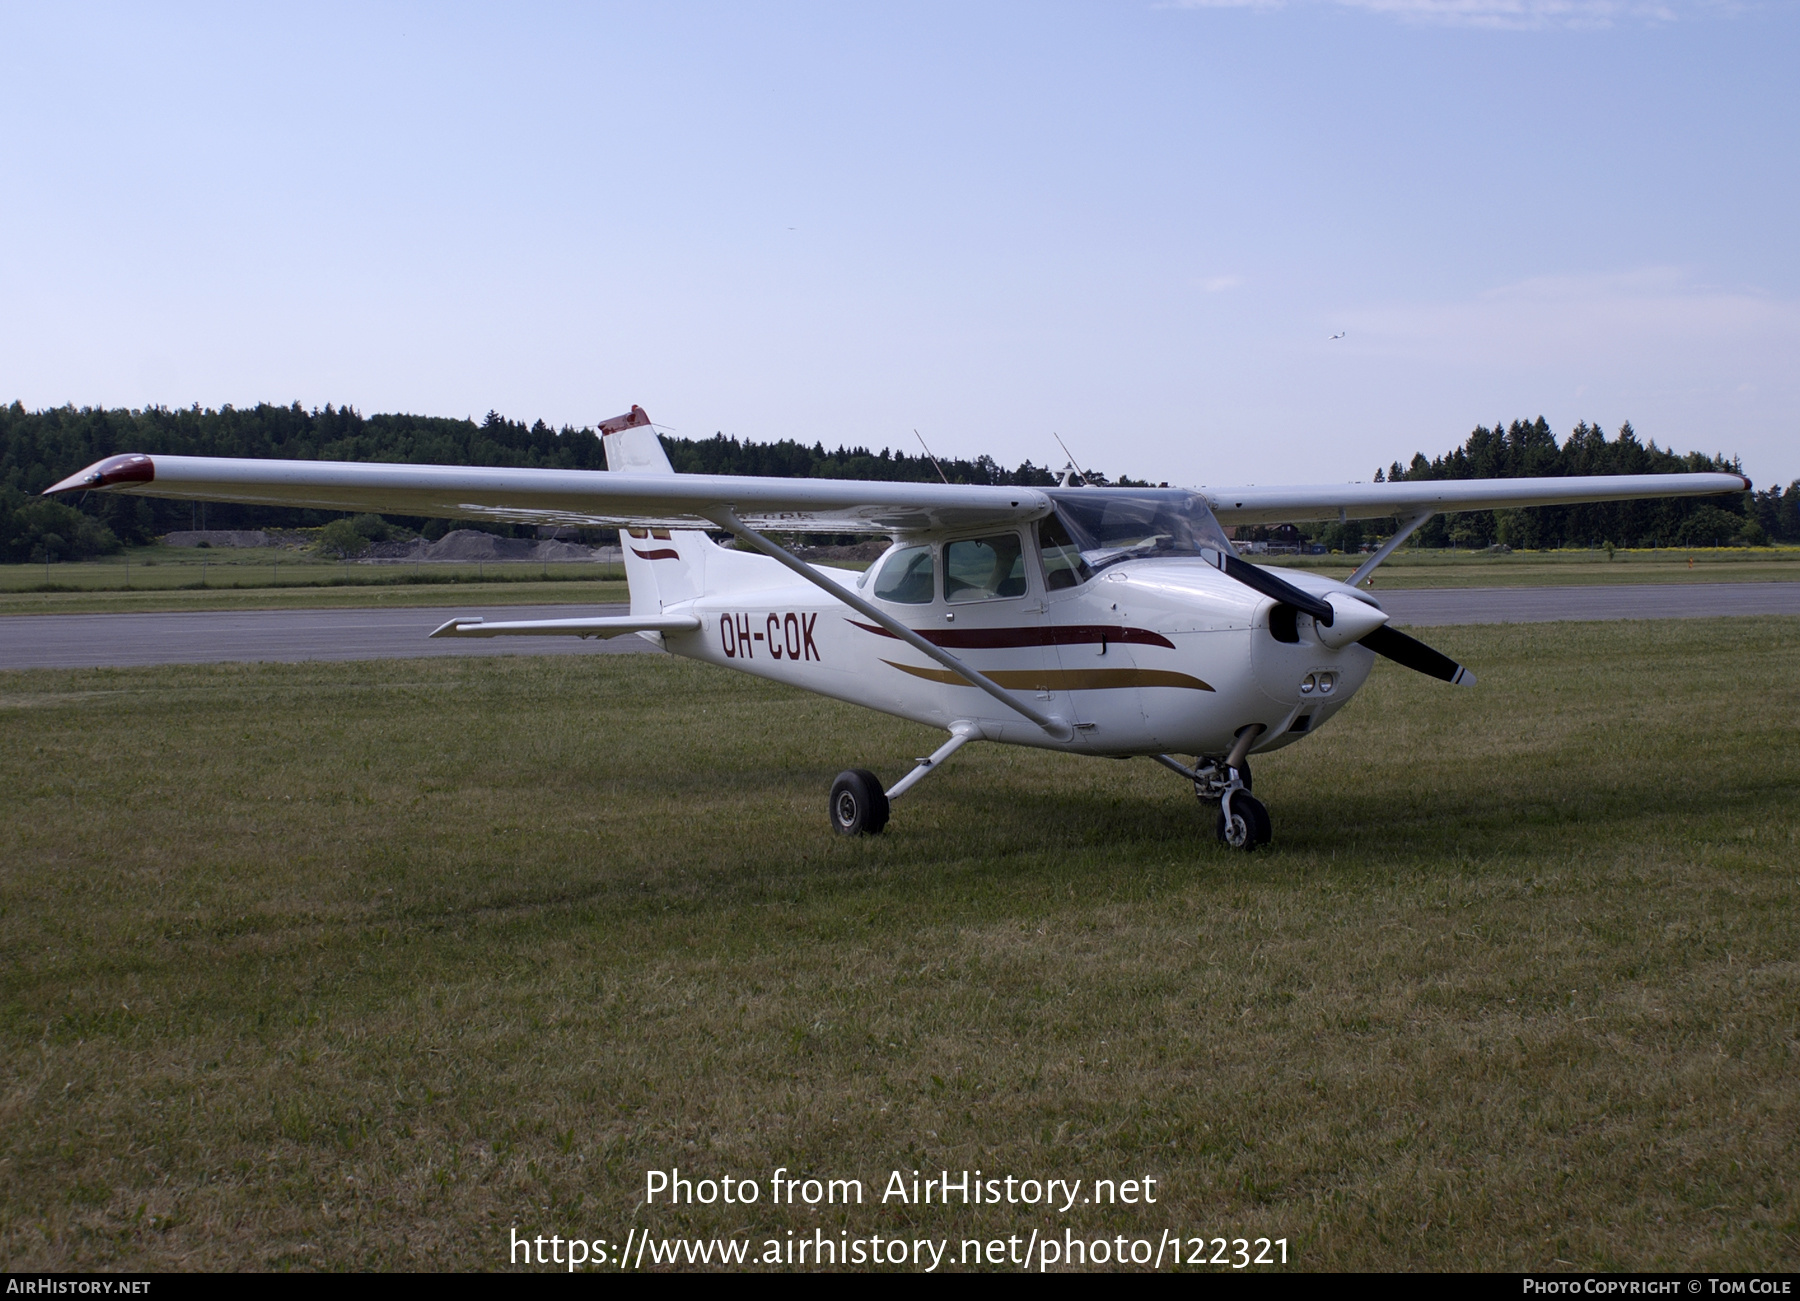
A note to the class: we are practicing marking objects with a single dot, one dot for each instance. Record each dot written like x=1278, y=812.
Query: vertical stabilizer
x=662, y=566
x=632, y=446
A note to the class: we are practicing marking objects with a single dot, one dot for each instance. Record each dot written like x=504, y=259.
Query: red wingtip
x=128, y=467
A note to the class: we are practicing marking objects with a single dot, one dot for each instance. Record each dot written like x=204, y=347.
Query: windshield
x=1113, y=524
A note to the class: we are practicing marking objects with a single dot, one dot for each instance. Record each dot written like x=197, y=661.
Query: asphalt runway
x=1438, y=607
x=35, y=641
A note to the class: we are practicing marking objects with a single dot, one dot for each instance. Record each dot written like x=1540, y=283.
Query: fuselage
x=1153, y=655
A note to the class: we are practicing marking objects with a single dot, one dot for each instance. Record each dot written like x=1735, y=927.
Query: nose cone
x=1352, y=620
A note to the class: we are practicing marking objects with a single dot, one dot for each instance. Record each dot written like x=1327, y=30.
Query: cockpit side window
x=905, y=577
x=1063, y=565
x=984, y=569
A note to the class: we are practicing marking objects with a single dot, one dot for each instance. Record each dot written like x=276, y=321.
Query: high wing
x=564, y=497
x=1254, y=505
x=640, y=490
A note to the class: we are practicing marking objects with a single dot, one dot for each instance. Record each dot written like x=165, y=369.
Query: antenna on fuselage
x=934, y=460
x=1064, y=481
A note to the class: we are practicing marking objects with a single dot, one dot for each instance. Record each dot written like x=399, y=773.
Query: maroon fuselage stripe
x=663, y=553
x=1080, y=634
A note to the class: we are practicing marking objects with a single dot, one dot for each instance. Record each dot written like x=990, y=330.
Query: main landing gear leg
x=1243, y=820
x=859, y=807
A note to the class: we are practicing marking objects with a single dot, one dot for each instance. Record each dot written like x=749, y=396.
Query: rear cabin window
x=984, y=569
x=905, y=577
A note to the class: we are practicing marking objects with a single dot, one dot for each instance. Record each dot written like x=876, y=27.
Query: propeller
x=1278, y=589
x=1416, y=655
x=1383, y=640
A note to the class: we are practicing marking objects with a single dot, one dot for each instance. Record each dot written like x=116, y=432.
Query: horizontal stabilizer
x=601, y=627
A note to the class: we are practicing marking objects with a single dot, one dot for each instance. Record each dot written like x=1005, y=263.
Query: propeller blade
x=1278, y=589
x=1416, y=655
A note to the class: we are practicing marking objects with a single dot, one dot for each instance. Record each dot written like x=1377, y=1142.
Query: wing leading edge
x=1253, y=505
x=577, y=497
x=596, y=497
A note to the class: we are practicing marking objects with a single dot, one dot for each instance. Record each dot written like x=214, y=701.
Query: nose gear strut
x=1243, y=820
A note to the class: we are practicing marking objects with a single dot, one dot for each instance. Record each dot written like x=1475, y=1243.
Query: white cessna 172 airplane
x=1102, y=621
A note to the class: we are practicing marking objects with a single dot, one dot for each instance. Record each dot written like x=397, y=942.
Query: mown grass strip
x=359, y=965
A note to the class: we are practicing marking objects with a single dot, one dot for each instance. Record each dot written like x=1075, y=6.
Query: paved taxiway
x=203, y=637
x=30, y=641
x=1440, y=606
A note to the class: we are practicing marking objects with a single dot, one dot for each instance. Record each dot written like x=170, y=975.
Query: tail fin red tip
x=630, y=420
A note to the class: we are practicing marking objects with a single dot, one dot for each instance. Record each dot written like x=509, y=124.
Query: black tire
x=1248, y=825
x=859, y=806
x=1265, y=830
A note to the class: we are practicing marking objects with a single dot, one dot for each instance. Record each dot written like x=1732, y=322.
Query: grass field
x=188, y=579
x=347, y=965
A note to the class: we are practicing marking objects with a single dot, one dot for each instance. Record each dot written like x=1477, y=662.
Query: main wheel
x=1247, y=824
x=859, y=806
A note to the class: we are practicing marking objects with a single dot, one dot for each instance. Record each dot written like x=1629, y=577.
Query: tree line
x=39, y=447
x=1525, y=449
x=794, y=460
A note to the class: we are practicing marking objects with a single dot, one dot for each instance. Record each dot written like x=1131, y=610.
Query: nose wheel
x=1243, y=821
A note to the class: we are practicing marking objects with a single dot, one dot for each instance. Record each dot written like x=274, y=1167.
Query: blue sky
x=1136, y=225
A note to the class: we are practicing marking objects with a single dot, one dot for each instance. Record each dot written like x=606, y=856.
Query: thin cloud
x=1612, y=319
x=1508, y=15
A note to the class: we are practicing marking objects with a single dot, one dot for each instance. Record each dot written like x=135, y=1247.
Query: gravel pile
x=473, y=545
x=217, y=538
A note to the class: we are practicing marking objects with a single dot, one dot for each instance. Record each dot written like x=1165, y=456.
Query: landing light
x=1308, y=683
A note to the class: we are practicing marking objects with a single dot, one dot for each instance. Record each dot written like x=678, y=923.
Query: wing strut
x=1405, y=531
x=727, y=519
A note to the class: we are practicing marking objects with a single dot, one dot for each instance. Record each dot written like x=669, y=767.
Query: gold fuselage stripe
x=1063, y=679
